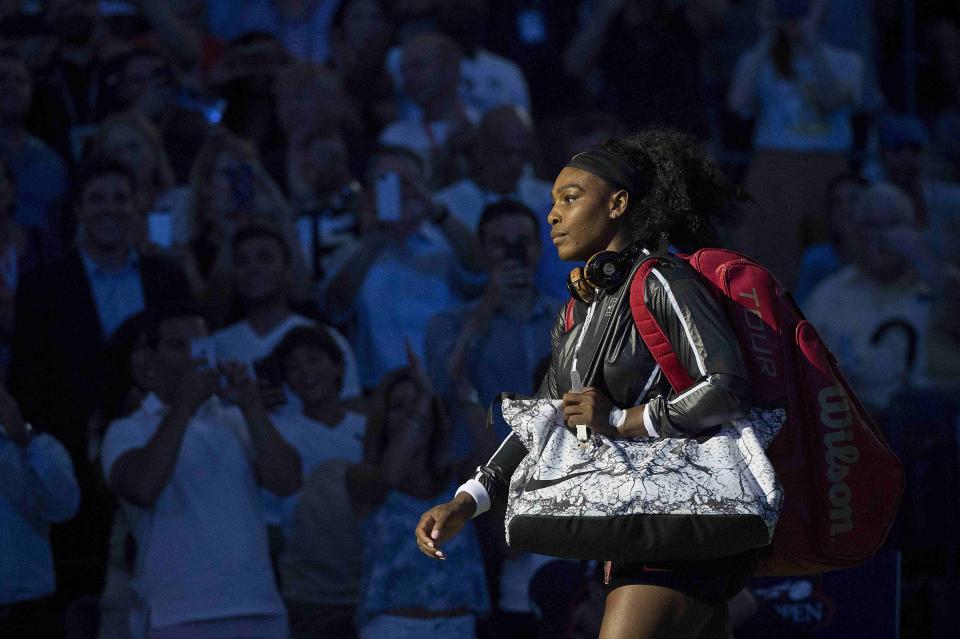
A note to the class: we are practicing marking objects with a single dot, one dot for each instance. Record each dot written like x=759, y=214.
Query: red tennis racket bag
x=842, y=483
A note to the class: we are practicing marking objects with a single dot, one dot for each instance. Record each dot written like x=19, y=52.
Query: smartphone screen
x=388, y=197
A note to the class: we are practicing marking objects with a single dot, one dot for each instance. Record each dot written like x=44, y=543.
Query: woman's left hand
x=590, y=408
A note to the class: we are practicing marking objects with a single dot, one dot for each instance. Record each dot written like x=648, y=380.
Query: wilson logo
x=840, y=453
x=758, y=335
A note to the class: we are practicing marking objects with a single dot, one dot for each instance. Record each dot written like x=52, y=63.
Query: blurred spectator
x=309, y=98
x=21, y=250
x=360, y=40
x=904, y=146
x=534, y=34
x=137, y=79
x=326, y=198
x=173, y=27
x=37, y=486
x=66, y=85
x=401, y=595
x=477, y=351
x=186, y=468
x=130, y=374
x=319, y=575
x=487, y=80
x=228, y=190
x=442, y=129
x=244, y=77
x=64, y=315
x=500, y=168
x=401, y=271
x=647, y=53
x=132, y=139
x=302, y=25
x=823, y=259
x=874, y=314
x=802, y=93
x=263, y=278
x=40, y=173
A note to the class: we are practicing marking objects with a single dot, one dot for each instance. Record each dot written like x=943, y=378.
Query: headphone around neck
x=605, y=271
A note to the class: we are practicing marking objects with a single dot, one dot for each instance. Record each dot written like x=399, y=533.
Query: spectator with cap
x=186, y=468
x=320, y=578
x=37, y=487
x=400, y=271
x=874, y=314
x=904, y=145
x=65, y=313
x=443, y=128
x=802, y=94
x=40, y=173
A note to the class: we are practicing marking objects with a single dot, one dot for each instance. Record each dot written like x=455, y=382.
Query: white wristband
x=480, y=495
x=617, y=417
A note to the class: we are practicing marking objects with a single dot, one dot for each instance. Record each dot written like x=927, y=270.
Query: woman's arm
x=705, y=343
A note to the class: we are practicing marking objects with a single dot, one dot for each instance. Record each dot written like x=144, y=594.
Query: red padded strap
x=568, y=315
x=651, y=333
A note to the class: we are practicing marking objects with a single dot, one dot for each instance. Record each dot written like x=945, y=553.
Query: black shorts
x=712, y=581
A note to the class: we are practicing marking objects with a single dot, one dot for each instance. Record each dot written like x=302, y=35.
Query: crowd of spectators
x=265, y=263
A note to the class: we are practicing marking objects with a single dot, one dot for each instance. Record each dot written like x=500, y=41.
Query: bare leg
x=645, y=611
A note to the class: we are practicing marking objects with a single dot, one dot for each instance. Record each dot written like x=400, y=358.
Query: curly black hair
x=688, y=196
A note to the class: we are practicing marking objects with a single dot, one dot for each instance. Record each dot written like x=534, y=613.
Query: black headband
x=610, y=167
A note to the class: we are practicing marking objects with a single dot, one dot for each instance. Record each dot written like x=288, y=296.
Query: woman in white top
x=801, y=94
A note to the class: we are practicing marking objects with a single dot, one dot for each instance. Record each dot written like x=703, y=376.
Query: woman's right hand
x=443, y=522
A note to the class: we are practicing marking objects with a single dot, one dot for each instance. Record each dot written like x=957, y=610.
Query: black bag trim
x=685, y=537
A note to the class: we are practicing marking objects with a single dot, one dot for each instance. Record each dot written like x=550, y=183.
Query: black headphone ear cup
x=604, y=270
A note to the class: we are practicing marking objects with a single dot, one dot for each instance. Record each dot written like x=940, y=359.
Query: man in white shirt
x=320, y=577
x=263, y=279
x=430, y=67
x=874, y=314
x=498, y=171
x=186, y=468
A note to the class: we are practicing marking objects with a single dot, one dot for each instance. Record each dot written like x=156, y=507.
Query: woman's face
x=312, y=375
x=580, y=222
x=127, y=145
x=401, y=403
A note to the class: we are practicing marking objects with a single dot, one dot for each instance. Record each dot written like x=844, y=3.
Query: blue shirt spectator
x=37, y=487
x=118, y=293
x=41, y=175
